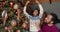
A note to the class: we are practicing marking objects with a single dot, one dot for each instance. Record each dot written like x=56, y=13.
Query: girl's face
x=48, y=18
x=35, y=13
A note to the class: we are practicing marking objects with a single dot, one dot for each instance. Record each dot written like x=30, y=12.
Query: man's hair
x=54, y=18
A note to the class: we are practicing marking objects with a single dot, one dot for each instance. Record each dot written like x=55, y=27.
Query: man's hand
x=27, y=3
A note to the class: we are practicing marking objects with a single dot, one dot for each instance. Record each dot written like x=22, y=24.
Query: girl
x=35, y=18
x=49, y=25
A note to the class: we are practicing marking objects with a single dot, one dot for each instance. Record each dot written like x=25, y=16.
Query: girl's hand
x=27, y=3
x=37, y=1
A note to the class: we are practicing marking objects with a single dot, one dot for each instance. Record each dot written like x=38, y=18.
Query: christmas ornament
x=11, y=4
x=18, y=14
x=6, y=28
x=18, y=31
x=24, y=25
x=4, y=16
x=16, y=6
x=13, y=23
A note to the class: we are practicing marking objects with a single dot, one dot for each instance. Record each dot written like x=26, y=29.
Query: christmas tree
x=12, y=18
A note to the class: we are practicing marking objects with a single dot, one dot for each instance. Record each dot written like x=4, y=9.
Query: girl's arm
x=40, y=7
x=41, y=10
x=24, y=10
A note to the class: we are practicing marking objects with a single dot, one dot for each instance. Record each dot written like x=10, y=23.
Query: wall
x=54, y=8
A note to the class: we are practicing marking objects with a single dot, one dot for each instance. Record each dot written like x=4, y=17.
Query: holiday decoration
x=11, y=4
x=6, y=28
x=4, y=16
x=18, y=31
x=13, y=23
x=11, y=17
x=18, y=14
x=16, y=6
x=24, y=25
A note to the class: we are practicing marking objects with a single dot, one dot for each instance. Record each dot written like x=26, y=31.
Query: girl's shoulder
x=34, y=17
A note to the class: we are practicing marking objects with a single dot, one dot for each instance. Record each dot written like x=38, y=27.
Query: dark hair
x=54, y=18
x=34, y=10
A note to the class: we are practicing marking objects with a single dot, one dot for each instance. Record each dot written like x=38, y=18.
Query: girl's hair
x=31, y=8
x=34, y=10
x=54, y=18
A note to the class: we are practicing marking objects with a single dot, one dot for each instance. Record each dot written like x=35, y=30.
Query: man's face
x=48, y=18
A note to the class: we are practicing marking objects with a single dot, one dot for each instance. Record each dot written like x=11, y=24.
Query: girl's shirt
x=34, y=19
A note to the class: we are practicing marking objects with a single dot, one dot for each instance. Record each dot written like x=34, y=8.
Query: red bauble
x=24, y=25
x=11, y=4
x=6, y=28
x=18, y=31
x=13, y=23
